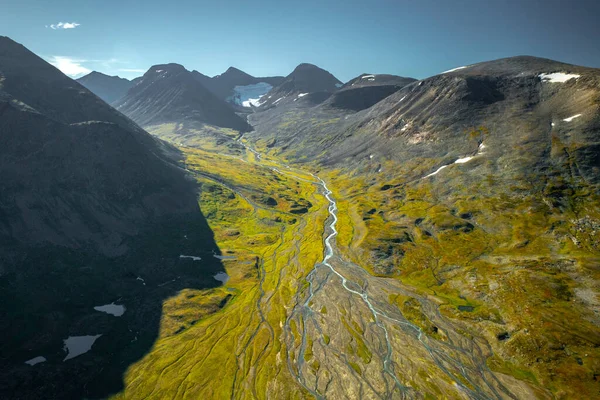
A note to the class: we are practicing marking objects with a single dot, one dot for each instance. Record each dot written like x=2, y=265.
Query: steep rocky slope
x=169, y=93
x=304, y=80
x=108, y=88
x=84, y=194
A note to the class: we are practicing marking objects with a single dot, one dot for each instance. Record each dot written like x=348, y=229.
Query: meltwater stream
x=489, y=389
x=328, y=255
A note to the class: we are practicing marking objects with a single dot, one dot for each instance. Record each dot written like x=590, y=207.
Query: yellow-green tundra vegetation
x=228, y=341
x=512, y=269
x=482, y=294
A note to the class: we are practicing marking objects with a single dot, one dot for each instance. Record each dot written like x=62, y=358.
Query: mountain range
x=384, y=238
x=169, y=93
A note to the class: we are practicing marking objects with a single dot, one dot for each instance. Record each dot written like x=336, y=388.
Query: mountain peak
x=234, y=73
x=302, y=66
x=306, y=78
x=169, y=92
x=108, y=88
x=97, y=74
x=518, y=65
x=170, y=67
x=232, y=70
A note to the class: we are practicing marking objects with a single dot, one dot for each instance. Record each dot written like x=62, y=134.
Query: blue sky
x=417, y=38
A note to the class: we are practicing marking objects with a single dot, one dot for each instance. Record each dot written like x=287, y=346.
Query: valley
x=299, y=237
x=297, y=302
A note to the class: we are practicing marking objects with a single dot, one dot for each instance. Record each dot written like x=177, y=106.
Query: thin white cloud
x=69, y=66
x=64, y=25
x=132, y=70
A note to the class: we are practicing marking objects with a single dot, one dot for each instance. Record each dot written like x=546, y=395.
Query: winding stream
x=462, y=360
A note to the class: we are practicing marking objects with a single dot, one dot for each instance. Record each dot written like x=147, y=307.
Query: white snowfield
x=250, y=95
x=557, y=77
x=252, y=102
x=463, y=160
x=481, y=147
x=158, y=71
x=454, y=69
x=572, y=118
x=368, y=77
x=302, y=94
x=436, y=172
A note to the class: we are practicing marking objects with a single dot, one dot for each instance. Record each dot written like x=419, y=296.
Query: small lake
x=193, y=258
x=114, y=309
x=78, y=345
x=222, y=277
x=224, y=257
x=36, y=360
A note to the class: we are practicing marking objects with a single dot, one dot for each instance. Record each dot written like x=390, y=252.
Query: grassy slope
x=235, y=347
x=513, y=258
x=518, y=264
x=522, y=262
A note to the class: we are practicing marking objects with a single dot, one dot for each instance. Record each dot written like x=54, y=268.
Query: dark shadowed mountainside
x=108, y=88
x=93, y=211
x=169, y=93
x=365, y=90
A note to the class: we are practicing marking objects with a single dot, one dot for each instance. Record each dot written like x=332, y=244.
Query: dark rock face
x=170, y=93
x=108, y=88
x=305, y=79
x=89, y=203
x=361, y=98
x=90, y=172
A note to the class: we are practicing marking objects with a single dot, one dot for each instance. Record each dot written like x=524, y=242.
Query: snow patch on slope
x=454, y=69
x=463, y=160
x=435, y=173
x=558, y=77
x=572, y=118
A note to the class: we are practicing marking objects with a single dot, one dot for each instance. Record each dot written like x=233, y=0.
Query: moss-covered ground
x=227, y=342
